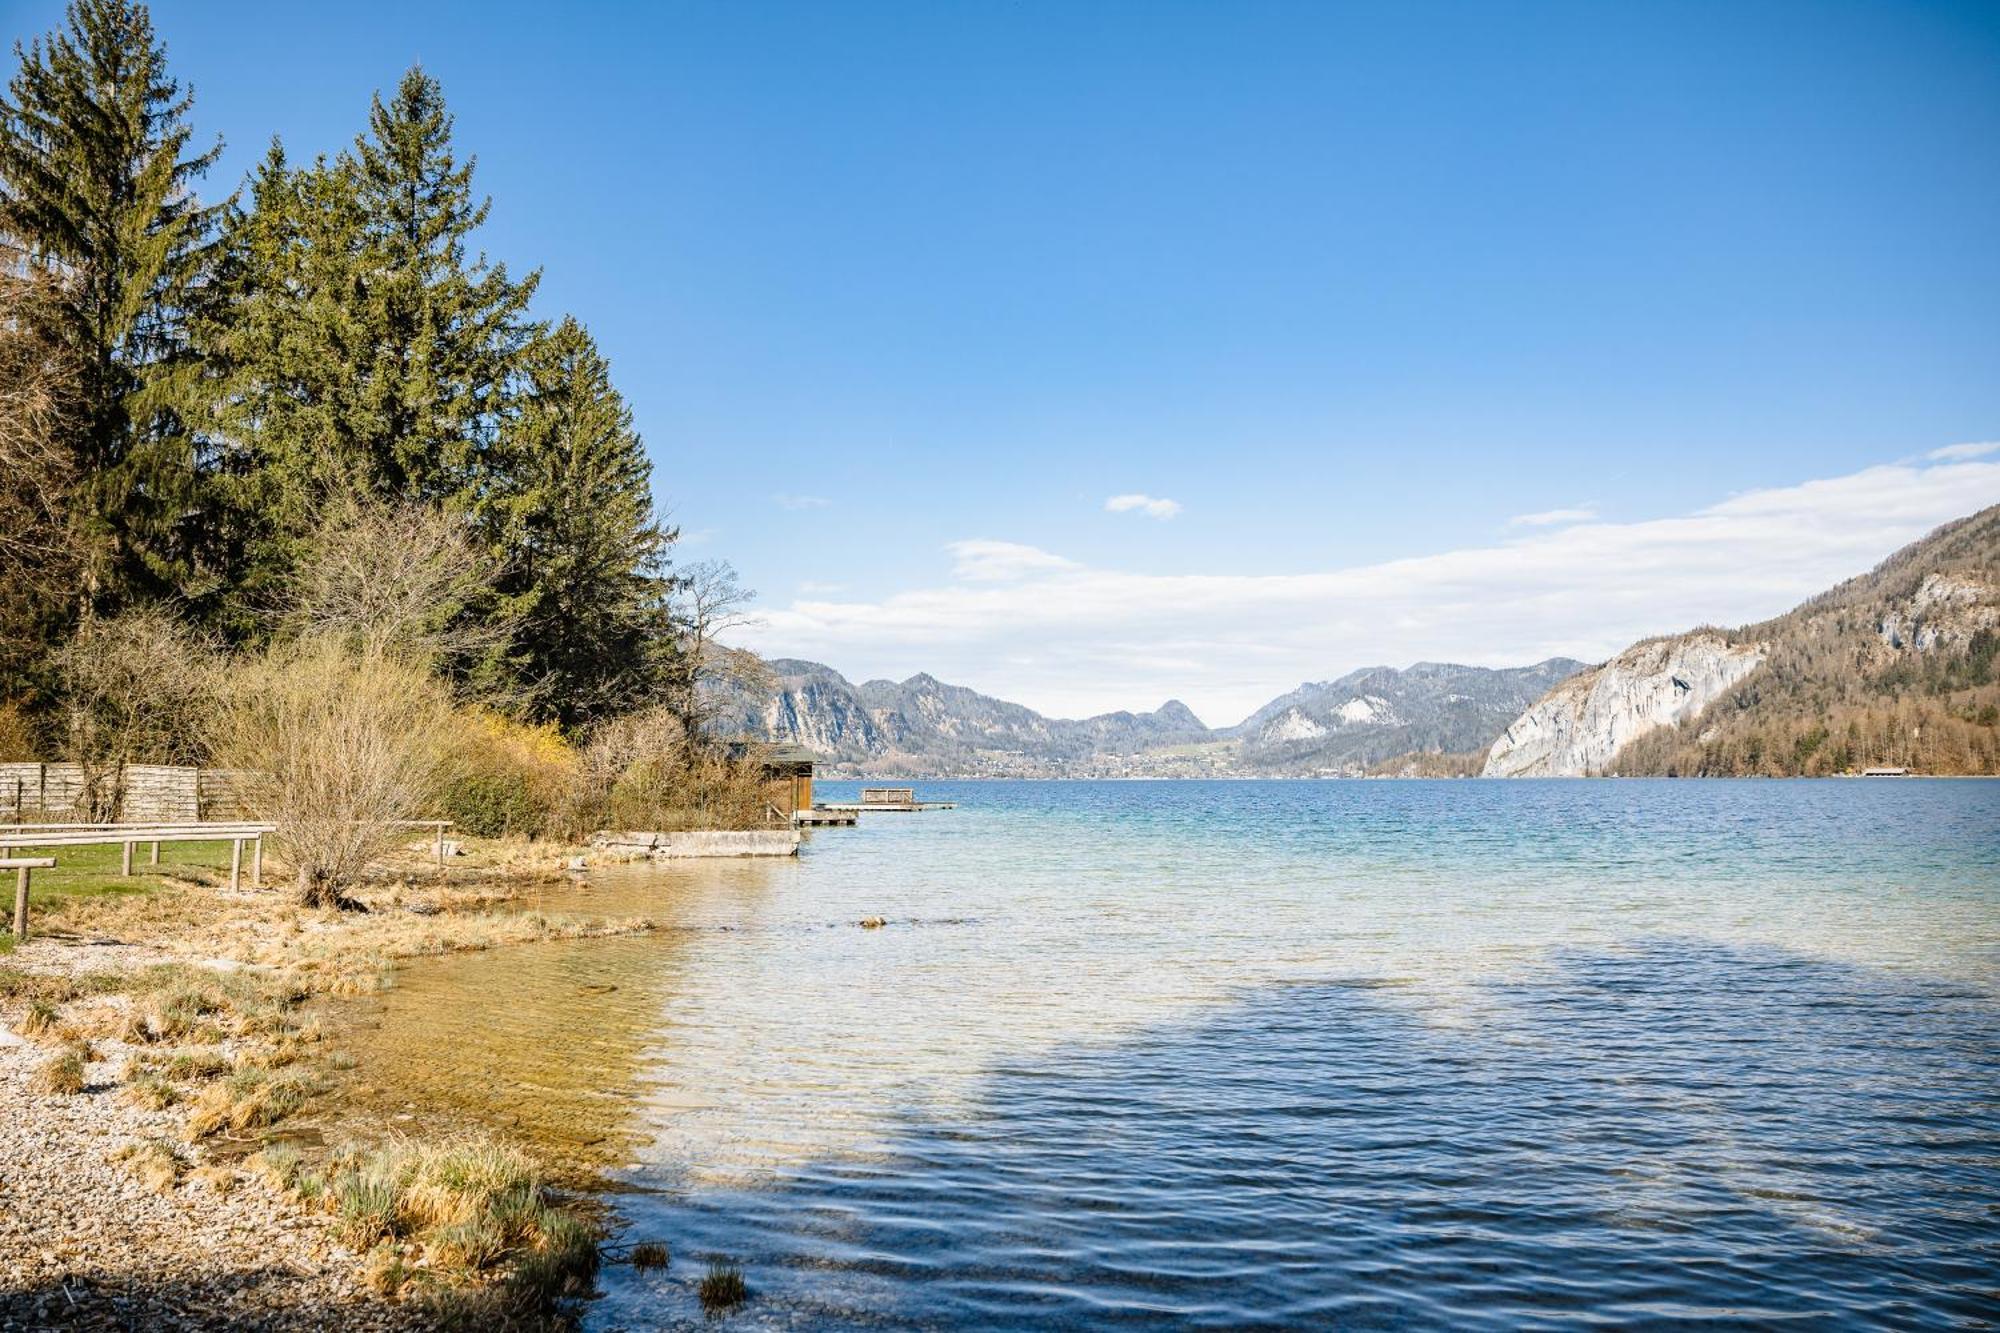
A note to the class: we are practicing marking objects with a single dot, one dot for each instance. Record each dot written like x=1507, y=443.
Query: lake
x=1357, y=1054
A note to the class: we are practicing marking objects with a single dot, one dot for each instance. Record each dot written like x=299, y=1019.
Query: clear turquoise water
x=1393, y=1054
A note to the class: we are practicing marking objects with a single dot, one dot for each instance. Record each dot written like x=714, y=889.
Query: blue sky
x=1349, y=285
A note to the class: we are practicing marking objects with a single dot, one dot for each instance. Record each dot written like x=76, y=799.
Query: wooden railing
x=22, y=866
x=129, y=836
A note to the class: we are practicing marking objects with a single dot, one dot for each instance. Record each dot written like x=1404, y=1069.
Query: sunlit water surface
x=1299, y=1054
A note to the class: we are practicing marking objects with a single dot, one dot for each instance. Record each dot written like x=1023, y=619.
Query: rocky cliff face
x=1944, y=613
x=1581, y=724
x=1899, y=666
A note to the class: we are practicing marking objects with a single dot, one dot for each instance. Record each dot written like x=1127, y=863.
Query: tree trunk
x=315, y=889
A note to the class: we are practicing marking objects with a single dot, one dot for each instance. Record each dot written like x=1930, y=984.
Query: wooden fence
x=150, y=793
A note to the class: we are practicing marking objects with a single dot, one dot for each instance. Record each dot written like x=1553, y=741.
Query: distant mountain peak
x=922, y=726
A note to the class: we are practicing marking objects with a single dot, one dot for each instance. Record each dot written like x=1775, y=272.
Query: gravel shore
x=85, y=1244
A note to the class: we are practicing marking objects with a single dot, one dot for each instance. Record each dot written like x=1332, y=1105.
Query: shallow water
x=1299, y=1054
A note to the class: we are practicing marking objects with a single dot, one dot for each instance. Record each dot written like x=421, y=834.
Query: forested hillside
x=1894, y=668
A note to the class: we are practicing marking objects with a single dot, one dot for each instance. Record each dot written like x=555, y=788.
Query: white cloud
x=1958, y=453
x=1549, y=518
x=801, y=501
x=1070, y=639
x=1149, y=505
x=982, y=561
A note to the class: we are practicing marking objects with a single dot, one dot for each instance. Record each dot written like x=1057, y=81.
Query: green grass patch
x=82, y=872
x=722, y=1287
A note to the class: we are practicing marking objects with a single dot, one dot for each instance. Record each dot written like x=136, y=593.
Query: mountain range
x=1896, y=667
x=922, y=727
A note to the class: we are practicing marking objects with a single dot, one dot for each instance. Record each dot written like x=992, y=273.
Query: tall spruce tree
x=288, y=353
x=97, y=180
x=446, y=326
x=572, y=512
x=366, y=352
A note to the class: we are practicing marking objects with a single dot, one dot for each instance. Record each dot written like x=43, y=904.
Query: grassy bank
x=201, y=1002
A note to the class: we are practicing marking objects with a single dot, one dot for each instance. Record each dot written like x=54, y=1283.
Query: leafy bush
x=491, y=805
x=508, y=778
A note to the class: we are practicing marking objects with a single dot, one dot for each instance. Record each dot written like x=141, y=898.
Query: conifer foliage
x=574, y=510
x=448, y=328
x=243, y=371
x=98, y=169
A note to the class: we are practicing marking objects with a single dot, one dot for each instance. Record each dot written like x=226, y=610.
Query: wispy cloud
x=1032, y=625
x=1956, y=453
x=1550, y=518
x=1151, y=506
x=983, y=561
x=800, y=501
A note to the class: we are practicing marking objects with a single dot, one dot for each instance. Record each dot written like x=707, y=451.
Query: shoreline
x=136, y=1192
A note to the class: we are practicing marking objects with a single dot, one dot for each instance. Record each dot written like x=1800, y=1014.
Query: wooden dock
x=821, y=816
x=896, y=799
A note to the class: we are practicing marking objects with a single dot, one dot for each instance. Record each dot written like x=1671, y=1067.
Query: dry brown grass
x=722, y=1287
x=61, y=1074
x=150, y=1092
x=252, y=1097
x=153, y=1161
x=461, y=1211
x=222, y=1179
x=307, y=950
x=40, y=1019
x=469, y=1227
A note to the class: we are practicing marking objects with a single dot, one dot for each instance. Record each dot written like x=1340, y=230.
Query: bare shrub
x=135, y=687
x=18, y=740
x=395, y=579
x=42, y=574
x=641, y=772
x=342, y=742
x=707, y=602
